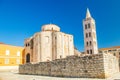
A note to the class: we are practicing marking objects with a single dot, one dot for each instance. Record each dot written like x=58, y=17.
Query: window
x=89, y=25
x=55, y=37
x=109, y=50
x=90, y=51
x=86, y=35
x=114, y=54
x=105, y=51
x=85, y=26
x=87, y=43
x=90, y=43
x=60, y=56
x=18, y=61
x=26, y=45
x=6, y=61
x=31, y=44
x=18, y=53
x=28, y=58
x=7, y=52
x=114, y=50
x=87, y=51
x=100, y=51
x=89, y=34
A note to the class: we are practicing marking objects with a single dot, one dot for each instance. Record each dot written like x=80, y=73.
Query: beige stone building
x=47, y=45
x=90, y=38
x=112, y=50
x=115, y=51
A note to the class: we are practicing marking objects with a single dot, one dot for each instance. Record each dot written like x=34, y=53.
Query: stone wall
x=89, y=66
x=111, y=64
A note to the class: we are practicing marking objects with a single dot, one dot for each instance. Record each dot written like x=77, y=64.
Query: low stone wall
x=91, y=66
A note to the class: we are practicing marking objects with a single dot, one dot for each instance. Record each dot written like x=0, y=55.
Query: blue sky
x=20, y=19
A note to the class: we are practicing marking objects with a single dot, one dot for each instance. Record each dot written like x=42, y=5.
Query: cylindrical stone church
x=48, y=45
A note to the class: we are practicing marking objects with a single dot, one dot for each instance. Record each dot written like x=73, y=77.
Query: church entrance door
x=28, y=58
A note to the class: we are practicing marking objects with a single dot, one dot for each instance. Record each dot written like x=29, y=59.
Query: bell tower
x=90, y=38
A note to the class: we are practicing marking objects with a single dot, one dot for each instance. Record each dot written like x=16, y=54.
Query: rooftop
x=114, y=47
x=50, y=27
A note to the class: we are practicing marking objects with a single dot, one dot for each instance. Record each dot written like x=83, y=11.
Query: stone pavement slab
x=15, y=76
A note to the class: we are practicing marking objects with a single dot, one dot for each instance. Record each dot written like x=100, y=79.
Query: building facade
x=10, y=56
x=90, y=38
x=115, y=51
x=112, y=50
x=48, y=45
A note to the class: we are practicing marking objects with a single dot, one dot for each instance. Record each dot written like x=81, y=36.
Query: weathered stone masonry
x=91, y=66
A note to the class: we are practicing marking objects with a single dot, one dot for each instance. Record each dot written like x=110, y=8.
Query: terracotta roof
x=104, y=48
x=116, y=47
x=109, y=48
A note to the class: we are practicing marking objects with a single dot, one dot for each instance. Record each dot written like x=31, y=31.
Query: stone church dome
x=50, y=27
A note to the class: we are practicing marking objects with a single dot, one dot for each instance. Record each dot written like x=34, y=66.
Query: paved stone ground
x=15, y=76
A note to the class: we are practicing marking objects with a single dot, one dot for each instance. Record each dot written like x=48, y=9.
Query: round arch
x=28, y=58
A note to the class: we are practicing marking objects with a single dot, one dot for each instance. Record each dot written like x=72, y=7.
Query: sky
x=20, y=19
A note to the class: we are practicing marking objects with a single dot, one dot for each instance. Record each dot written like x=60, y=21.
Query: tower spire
x=88, y=15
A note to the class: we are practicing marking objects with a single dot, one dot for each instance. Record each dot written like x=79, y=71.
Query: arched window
x=91, y=51
x=85, y=26
x=87, y=51
x=89, y=34
x=89, y=25
x=86, y=35
x=90, y=43
x=87, y=43
x=28, y=58
x=28, y=44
